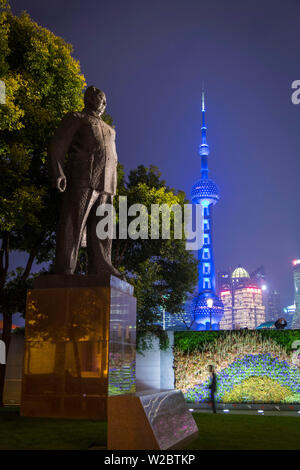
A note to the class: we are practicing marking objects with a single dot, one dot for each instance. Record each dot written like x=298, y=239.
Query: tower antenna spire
x=207, y=308
x=203, y=97
x=203, y=147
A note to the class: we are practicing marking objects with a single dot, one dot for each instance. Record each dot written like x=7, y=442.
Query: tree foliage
x=42, y=82
x=162, y=271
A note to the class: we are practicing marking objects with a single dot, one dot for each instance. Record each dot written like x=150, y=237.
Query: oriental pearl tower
x=207, y=308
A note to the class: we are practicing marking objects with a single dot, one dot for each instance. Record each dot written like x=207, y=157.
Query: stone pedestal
x=79, y=346
x=150, y=420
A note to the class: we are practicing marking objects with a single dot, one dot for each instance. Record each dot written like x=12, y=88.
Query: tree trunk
x=4, y=259
x=7, y=317
x=7, y=320
x=118, y=259
x=6, y=336
x=31, y=257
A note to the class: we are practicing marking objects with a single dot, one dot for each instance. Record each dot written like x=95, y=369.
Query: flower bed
x=259, y=365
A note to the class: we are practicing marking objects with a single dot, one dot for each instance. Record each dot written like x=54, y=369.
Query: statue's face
x=95, y=100
x=100, y=103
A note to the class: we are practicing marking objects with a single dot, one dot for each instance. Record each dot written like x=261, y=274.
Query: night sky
x=150, y=57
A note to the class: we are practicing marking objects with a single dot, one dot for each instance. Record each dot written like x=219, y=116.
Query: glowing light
x=210, y=303
x=206, y=192
x=264, y=287
x=296, y=262
x=225, y=292
x=253, y=290
x=239, y=273
x=226, y=411
x=260, y=411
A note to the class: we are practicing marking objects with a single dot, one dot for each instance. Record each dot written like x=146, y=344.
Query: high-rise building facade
x=288, y=314
x=177, y=321
x=271, y=298
x=273, y=306
x=207, y=308
x=243, y=303
x=223, y=281
x=296, y=273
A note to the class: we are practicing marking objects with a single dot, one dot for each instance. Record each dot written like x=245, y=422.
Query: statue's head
x=95, y=100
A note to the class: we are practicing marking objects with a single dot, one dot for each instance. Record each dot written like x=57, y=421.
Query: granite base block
x=151, y=420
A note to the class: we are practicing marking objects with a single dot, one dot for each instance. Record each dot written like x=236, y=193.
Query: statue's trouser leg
x=99, y=251
x=76, y=206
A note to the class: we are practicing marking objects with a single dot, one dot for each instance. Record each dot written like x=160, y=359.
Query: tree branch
x=31, y=257
x=4, y=259
x=118, y=261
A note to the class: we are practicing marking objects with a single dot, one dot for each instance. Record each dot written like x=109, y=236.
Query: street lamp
x=210, y=303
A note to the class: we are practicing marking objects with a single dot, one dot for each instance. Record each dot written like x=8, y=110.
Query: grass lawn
x=246, y=432
x=218, y=431
x=20, y=433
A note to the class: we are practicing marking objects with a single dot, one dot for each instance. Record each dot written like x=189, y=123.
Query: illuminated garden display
x=121, y=377
x=251, y=366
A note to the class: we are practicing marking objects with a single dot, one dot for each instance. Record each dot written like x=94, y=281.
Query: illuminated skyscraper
x=243, y=303
x=207, y=308
x=296, y=270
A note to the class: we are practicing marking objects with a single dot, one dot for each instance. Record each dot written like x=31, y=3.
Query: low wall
x=154, y=368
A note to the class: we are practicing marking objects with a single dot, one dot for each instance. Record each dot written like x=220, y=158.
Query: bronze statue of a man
x=88, y=178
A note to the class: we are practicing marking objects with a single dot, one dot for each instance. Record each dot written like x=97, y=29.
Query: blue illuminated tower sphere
x=207, y=308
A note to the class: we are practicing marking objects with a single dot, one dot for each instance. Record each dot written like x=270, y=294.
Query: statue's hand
x=61, y=183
